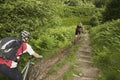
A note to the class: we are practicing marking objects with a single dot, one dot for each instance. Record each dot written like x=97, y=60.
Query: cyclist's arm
x=32, y=52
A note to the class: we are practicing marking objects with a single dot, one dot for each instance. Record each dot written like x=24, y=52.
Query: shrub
x=112, y=11
x=94, y=21
x=105, y=46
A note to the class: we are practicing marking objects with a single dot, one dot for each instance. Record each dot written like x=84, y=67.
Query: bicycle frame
x=26, y=68
x=76, y=38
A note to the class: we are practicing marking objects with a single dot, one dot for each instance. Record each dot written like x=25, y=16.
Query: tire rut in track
x=40, y=70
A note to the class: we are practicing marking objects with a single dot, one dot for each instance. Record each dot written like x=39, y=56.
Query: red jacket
x=20, y=51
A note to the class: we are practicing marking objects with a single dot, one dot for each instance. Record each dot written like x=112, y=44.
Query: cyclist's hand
x=40, y=57
x=37, y=56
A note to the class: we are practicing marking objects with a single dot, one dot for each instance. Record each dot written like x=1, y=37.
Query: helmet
x=25, y=34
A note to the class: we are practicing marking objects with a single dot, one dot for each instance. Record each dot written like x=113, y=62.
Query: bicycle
x=26, y=68
x=76, y=39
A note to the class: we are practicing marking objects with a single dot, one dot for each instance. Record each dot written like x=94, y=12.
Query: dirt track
x=40, y=70
x=86, y=68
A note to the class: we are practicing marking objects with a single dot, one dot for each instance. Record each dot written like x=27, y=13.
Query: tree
x=100, y=3
x=112, y=11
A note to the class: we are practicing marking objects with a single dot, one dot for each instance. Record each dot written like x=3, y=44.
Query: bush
x=72, y=2
x=94, y=21
x=112, y=11
x=25, y=14
x=100, y=3
x=105, y=46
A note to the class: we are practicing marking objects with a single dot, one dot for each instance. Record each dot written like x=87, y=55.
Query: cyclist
x=78, y=31
x=9, y=67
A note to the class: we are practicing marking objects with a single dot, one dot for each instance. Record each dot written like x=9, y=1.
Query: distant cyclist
x=8, y=67
x=78, y=31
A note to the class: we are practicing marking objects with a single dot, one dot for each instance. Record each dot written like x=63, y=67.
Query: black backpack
x=9, y=47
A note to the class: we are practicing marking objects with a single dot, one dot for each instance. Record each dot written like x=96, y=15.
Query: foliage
x=100, y=3
x=79, y=7
x=112, y=11
x=72, y=2
x=52, y=38
x=94, y=21
x=30, y=15
x=71, y=21
x=67, y=11
x=97, y=17
x=106, y=48
x=85, y=11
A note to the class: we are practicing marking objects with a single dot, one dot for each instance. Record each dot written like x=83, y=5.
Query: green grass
x=73, y=21
x=70, y=21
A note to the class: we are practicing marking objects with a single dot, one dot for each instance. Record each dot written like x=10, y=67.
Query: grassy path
x=86, y=68
x=83, y=64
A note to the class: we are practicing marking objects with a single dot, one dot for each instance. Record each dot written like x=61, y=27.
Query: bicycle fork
x=25, y=70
